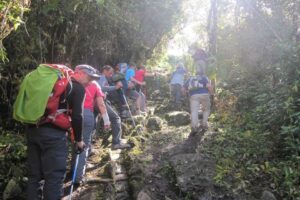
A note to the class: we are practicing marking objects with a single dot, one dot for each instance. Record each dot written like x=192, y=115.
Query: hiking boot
x=120, y=146
x=193, y=132
x=125, y=114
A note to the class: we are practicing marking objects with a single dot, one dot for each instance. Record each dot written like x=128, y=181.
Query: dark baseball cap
x=89, y=70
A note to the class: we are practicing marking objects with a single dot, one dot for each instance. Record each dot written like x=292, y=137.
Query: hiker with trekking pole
x=94, y=97
x=116, y=128
x=52, y=107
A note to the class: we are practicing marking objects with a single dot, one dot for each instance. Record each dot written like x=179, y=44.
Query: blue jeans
x=176, y=92
x=88, y=128
x=47, y=159
x=115, y=121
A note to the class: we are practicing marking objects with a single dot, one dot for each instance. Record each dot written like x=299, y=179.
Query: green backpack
x=35, y=90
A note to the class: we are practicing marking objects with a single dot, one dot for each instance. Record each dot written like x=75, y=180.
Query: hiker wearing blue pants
x=47, y=144
x=94, y=95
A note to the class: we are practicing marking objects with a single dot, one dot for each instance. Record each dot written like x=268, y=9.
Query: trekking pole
x=133, y=122
x=74, y=175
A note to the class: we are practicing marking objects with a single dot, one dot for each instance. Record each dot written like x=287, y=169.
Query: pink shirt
x=92, y=91
x=140, y=75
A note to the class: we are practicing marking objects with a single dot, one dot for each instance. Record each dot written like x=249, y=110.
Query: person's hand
x=119, y=85
x=130, y=85
x=80, y=146
x=143, y=83
x=107, y=127
x=210, y=88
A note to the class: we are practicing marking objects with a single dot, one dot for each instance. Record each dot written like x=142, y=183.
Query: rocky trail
x=166, y=162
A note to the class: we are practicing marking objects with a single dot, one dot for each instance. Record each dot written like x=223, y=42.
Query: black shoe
x=193, y=133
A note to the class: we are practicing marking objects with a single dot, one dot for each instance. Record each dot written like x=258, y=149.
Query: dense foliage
x=93, y=32
x=258, y=99
x=257, y=58
x=11, y=13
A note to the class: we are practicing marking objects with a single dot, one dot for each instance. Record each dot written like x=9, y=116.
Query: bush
x=12, y=158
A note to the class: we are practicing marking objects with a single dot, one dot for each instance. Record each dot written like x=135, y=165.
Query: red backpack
x=58, y=117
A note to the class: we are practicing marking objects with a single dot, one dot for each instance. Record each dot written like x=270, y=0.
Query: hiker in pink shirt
x=93, y=97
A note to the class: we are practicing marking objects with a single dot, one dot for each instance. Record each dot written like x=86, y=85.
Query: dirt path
x=163, y=164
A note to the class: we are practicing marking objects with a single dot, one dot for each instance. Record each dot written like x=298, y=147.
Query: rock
x=267, y=195
x=163, y=108
x=139, y=119
x=178, y=118
x=11, y=190
x=194, y=172
x=121, y=186
x=143, y=196
x=154, y=124
x=156, y=95
x=122, y=196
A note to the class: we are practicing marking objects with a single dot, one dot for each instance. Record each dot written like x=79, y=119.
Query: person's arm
x=101, y=106
x=209, y=87
x=136, y=81
x=105, y=86
x=99, y=101
x=150, y=74
x=76, y=99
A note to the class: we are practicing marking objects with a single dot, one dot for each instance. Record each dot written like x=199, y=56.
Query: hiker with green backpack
x=50, y=102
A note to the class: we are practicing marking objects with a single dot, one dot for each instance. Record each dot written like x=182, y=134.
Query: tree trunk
x=212, y=36
x=296, y=21
x=212, y=28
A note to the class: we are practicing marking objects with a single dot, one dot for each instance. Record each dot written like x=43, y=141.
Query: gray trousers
x=115, y=121
x=88, y=128
x=47, y=159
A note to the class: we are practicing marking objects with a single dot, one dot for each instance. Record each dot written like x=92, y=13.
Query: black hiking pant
x=47, y=160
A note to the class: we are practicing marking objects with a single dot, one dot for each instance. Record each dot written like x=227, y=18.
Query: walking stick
x=74, y=175
x=133, y=122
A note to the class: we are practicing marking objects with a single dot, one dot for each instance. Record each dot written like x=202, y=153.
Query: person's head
x=107, y=71
x=117, y=68
x=141, y=67
x=85, y=73
x=132, y=65
x=180, y=68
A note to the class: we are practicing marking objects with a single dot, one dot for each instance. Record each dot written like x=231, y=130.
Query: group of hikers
x=198, y=88
x=78, y=100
